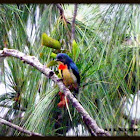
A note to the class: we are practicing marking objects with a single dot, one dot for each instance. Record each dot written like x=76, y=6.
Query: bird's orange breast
x=68, y=77
x=62, y=67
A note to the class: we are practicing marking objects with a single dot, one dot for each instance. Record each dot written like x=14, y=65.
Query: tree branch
x=60, y=9
x=62, y=12
x=33, y=61
x=73, y=24
x=2, y=121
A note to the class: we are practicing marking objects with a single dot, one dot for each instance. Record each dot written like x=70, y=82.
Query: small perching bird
x=69, y=73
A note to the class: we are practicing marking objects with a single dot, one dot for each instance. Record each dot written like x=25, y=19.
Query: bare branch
x=62, y=12
x=89, y=129
x=33, y=61
x=73, y=24
x=2, y=121
x=65, y=23
x=60, y=9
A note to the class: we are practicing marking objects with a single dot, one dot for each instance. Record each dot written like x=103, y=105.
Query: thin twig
x=33, y=61
x=60, y=9
x=2, y=121
x=73, y=24
x=62, y=13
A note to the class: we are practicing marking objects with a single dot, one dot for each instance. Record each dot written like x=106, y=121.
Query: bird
x=69, y=74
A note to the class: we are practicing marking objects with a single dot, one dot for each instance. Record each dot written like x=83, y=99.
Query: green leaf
x=75, y=50
x=50, y=42
x=51, y=63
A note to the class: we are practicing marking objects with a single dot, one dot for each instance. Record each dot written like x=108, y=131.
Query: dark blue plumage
x=75, y=71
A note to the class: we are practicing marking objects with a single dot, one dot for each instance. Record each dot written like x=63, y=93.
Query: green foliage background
x=109, y=66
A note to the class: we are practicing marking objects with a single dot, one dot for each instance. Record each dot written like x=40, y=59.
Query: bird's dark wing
x=75, y=71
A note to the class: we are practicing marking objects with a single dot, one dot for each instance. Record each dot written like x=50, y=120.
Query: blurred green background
x=106, y=51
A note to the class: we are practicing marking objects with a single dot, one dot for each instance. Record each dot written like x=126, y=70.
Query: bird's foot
x=60, y=93
x=62, y=103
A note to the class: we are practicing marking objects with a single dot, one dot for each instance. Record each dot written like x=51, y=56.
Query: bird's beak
x=57, y=59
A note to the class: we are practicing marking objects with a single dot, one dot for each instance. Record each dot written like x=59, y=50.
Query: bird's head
x=63, y=58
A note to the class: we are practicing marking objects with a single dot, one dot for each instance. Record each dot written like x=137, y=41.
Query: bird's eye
x=60, y=57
